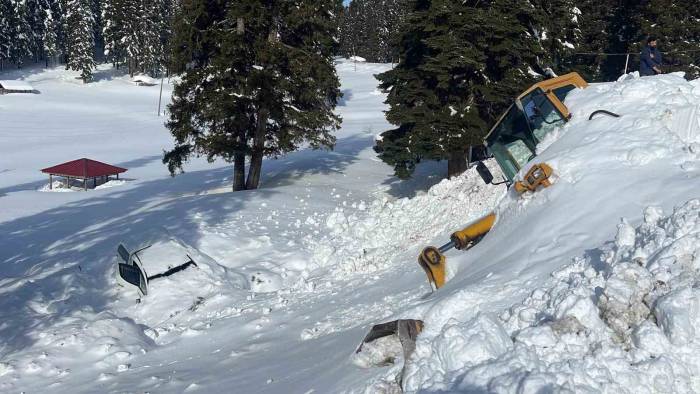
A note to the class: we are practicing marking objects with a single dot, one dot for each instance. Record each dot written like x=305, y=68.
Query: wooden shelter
x=7, y=86
x=83, y=169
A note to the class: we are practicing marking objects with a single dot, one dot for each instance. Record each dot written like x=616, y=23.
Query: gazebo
x=83, y=169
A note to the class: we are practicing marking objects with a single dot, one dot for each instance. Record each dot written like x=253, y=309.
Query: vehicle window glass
x=131, y=274
x=520, y=153
x=563, y=91
x=507, y=164
x=541, y=114
x=512, y=143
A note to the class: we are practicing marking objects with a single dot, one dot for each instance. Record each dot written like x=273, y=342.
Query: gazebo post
x=85, y=183
x=50, y=182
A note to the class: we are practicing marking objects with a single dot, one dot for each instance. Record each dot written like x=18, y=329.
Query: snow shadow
x=57, y=266
x=347, y=96
x=285, y=170
x=426, y=175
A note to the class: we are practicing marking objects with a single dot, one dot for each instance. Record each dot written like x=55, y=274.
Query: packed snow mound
x=622, y=316
x=367, y=239
x=182, y=292
x=627, y=321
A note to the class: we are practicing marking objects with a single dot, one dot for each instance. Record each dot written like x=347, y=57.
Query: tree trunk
x=238, y=171
x=456, y=164
x=257, y=154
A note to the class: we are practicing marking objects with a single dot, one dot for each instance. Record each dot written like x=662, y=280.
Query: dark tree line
x=370, y=29
x=80, y=33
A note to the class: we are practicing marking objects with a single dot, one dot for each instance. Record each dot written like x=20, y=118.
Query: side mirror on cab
x=484, y=172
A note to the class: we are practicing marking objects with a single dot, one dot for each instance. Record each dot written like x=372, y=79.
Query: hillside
x=562, y=293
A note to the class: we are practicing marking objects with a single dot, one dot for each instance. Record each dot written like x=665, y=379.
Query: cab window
x=541, y=114
x=563, y=91
x=512, y=143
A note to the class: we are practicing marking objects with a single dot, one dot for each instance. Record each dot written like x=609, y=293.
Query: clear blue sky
x=346, y=2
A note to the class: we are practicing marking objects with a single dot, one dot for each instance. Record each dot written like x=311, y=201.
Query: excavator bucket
x=387, y=342
x=433, y=260
x=434, y=264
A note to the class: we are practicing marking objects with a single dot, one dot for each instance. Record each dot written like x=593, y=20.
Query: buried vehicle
x=131, y=271
x=512, y=141
x=169, y=266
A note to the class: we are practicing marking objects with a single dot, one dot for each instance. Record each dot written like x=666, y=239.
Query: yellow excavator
x=512, y=141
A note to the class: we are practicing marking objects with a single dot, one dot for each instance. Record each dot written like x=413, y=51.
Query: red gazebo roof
x=84, y=168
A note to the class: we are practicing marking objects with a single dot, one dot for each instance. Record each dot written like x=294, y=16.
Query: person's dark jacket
x=651, y=57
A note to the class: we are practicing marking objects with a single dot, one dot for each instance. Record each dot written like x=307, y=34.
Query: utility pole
x=160, y=97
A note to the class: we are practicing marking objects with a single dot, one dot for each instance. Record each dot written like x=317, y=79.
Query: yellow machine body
x=537, y=176
x=533, y=115
x=432, y=259
x=465, y=238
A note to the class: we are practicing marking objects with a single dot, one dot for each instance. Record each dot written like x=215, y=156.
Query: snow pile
x=369, y=241
x=111, y=183
x=71, y=185
x=104, y=341
x=627, y=321
x=58, y=187
x=620, y=317
x=171, y=297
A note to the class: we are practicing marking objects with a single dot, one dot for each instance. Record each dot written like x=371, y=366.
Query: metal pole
x=161, y=93
x=50, y=182
x=627, y=62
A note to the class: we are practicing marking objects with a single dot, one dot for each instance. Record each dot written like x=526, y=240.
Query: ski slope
x=291, y=276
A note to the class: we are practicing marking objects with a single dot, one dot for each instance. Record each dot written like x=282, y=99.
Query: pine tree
x=460, y=67
x=149, y=33
x=623, y=25
x=370, y=28
x=20, y=44
x=80, y=38
x=57, y=8
x=259, y=81
x=595, y=34
x=555, y=24
x=112, y=31
x=50, y=38
x=677, y=25
x=5, y=30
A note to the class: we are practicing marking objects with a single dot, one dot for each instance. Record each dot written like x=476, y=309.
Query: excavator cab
x=534, y=114
x=513, y=143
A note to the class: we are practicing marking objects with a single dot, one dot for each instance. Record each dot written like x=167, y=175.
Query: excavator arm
x=433, y=260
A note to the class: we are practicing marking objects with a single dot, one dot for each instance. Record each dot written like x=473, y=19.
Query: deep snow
x=561, y=295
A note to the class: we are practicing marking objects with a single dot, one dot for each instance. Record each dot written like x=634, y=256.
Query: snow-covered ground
x=561, y=295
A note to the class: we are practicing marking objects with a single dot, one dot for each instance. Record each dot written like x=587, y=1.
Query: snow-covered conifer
x=80, y=38
x=50, y=39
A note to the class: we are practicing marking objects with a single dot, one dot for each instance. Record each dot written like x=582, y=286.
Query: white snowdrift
x=627, y=322
x=621, y=317
x=367, y=238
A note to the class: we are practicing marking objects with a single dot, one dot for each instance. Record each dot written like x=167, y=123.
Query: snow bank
x=618, y=317
x=367, y=238
x=627, y=322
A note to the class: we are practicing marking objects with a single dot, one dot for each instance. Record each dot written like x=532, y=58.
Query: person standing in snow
x=651, y=59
